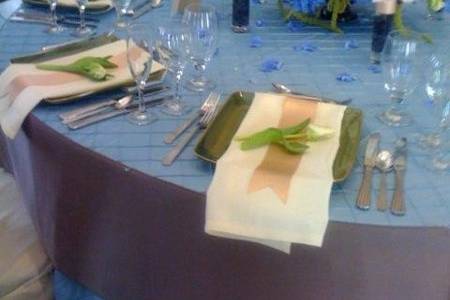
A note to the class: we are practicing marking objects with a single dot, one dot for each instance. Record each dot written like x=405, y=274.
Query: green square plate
x=217, y=137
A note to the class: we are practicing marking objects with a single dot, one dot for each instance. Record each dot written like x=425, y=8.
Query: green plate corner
x=217, y=137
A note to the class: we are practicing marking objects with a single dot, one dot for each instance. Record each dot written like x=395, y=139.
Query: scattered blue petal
x=295, y=26
x=216, y=52
x=260, y=23
x=345, y=77
x=255, y=42
x=306, y=47
x=271, y=64
x=351, y=44
x=374, y=68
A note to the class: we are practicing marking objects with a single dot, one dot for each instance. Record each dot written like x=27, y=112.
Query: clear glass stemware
x=401, y=61
x=171, y=44
x=437, y=80
x=139, y=57
x=83, y=30
x=121, y=7
x=203, y=23
x=55, y=27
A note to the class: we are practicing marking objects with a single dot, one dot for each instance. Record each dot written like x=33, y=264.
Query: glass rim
x=204, y=7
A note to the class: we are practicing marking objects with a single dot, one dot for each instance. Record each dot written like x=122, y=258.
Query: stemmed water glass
x=401, y=61
x=437, y=80
x=172, y=42
x=139, y=56
x=82, y=30
x=203, y=23
x=121, y=7
x=55, y=27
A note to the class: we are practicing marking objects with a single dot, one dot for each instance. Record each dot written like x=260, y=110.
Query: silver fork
x=208, y=116
x=172, y=136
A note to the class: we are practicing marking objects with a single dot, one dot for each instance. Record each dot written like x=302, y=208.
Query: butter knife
x=45, y=22
x=111, y=114
x=398, y=206
x=61, y=19
x=363, y=200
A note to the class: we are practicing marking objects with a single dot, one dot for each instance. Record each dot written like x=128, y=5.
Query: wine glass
x=139, y=57
x=202, y=22
x=171, y=45
x=54, y=27
x=401, y=60
x=82, y=30
x=437, y=80
x=121, y=7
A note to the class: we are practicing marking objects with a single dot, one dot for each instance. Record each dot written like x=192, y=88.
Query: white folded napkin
x=267, y=195
x=23, y=86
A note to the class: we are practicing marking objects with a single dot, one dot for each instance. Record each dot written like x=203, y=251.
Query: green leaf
x=90, y=67
x=296, y=129
x=293, y=147
x=262, y=138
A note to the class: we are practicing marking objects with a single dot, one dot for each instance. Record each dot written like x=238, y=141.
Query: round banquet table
x=114, y=219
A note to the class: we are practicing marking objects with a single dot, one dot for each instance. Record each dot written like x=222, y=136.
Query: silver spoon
x=118, y=105
x=281, y=88
x=384, y=162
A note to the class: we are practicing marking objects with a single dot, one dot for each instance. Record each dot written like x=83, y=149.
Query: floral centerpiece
x=311, y=11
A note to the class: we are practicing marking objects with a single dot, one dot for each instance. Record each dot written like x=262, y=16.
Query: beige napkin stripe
x=21, y=82
x=278, y=167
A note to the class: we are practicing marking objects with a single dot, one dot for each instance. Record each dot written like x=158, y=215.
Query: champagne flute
x=171, y=45
x=139, y=57
x=437, y=80
x=82, y=30
x=121, y=7
x=203, y=24
x=55, y=27
x=401, y=61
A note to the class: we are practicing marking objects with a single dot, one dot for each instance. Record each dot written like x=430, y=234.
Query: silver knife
x=172, y=136
x=111, y=114
x=398, y=206
x=363, y=200
x=61, y=19
x=40, y=14
x=43, y=21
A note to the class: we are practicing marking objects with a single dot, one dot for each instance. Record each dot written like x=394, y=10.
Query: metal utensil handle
x=170, y=137
x=320, y=99
x=85, y=115
x=382, y=199
x=94, y=119
x=175, y=151
x=363, y=201
x=142, y=10
x=82, y=110
x=398, y=201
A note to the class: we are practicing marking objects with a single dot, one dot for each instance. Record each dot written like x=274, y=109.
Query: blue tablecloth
x=237, y=67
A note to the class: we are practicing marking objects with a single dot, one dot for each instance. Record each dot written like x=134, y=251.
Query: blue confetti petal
x=271, y=64
x=255, y=42
x=216, y=52
x=294, y=26
x=260, y=23
x=374, y=69
x=345, y=77
x=351, y=44
x=306, y=47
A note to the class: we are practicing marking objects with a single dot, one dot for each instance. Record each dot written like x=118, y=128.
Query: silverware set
x=385, y=162
x=38, y=17
x=199, y=120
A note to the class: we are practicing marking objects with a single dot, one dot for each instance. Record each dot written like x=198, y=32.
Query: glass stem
x=200, y=67
x=82, y=19
x=53, y=13
x=141, y=97
x=178, y=76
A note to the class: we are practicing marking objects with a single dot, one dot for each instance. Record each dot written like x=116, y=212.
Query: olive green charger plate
x=74, y=48
x=97, y=10
x=217, y=137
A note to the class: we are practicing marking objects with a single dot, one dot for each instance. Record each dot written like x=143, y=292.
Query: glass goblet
x=82, y=30
x=121, y=7
x=401, y=61
x=139, y=57
x=54, y=27
x=171, y=45
x=203, y=23
x=437, y=80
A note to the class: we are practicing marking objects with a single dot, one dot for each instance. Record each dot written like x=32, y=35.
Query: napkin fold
x=23, y=86
x=267, y=195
